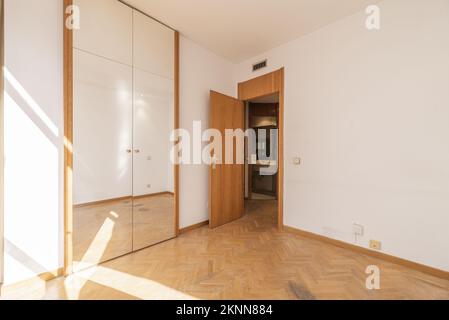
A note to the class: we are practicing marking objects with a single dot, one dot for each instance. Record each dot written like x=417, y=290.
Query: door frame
x=68, y=135
x=268, y=84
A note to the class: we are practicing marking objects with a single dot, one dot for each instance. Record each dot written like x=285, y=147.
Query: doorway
x=262, y=116
x=261, y=167
x=264, y=97
x=229, y=182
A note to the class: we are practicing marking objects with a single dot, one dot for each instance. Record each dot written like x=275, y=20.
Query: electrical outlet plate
x=375, y=245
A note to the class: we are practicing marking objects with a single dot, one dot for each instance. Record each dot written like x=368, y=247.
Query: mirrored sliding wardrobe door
x=123, y=116
x=153, y=186
x=102, y=133
x=102, y=159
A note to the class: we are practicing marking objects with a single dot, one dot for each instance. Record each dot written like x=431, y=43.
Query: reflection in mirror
x=153, y=186
x=102, y=232
x=123, y=176
x=102, y=172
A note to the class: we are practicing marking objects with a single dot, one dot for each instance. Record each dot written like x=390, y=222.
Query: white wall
x=1, y=144
x=368, y=113
x=33, y=138
x=200, y=72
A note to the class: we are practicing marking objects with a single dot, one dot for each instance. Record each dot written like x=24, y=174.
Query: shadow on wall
x=25, y=260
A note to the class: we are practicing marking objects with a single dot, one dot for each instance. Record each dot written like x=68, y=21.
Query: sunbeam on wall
x=29, y=153
x=33, y=120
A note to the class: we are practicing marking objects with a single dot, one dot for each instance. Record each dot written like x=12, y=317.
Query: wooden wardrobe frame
x=262, y=86
x=68, y=138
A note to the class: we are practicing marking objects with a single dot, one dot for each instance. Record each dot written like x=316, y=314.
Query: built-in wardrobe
x=123, y=117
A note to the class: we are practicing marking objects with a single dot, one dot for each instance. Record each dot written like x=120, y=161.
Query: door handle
x=137, y=151
x=128, y=151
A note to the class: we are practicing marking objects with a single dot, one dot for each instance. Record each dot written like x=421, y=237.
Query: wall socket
x=375, y=245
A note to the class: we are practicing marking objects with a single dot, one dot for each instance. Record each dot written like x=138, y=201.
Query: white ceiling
x=240, y=29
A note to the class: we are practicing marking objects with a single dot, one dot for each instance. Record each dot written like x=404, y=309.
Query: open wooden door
x=226, y=193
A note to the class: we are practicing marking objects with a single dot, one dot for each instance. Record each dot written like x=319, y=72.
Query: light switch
x=297, y=161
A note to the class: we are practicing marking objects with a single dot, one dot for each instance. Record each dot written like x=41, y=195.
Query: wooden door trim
x=250, y=166
x=265, y=85
x=177, y=126
x=68, y=142
x=68, y=137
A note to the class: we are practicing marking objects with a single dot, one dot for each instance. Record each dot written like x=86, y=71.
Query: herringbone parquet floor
x=247, y=259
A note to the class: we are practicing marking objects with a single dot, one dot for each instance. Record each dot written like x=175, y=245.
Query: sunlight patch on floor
x=138, y=287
